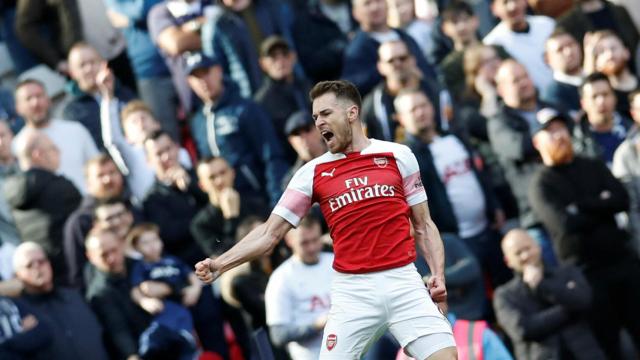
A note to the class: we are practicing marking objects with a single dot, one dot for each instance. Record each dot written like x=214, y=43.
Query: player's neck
x=359, y=142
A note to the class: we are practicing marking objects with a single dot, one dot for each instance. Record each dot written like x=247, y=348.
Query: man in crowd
x=104, y=182
x=214, y=226
x=564, y=56
x=542, y=309
x=600, y=129
x=577, y=199
x=76, y=332
x=297, y=296
x=41, y=201
x=236, y=129
x=33, y=103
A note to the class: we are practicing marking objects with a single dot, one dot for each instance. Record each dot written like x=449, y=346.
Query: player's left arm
x=430, y=246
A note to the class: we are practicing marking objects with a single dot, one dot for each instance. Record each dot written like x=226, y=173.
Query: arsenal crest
x=332, y=340
x=382, y=162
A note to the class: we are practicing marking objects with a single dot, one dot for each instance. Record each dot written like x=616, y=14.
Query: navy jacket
x=247, y=140
x=562, y=95
x=85, y=109
x=361, y=57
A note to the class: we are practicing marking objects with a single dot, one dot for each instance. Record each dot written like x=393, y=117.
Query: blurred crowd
x=180, y=123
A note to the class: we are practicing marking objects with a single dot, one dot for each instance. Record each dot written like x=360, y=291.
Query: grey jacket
x=626, y=167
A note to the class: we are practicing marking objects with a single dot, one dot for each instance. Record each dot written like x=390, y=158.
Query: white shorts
x=364, y=306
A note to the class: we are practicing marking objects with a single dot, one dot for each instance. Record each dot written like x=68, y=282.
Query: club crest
x=382, y=162
x=332, y=341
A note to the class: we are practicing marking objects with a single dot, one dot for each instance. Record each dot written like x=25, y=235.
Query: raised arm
x=430, y=246
x=258, y=242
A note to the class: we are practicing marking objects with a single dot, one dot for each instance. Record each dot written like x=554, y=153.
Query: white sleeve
x=112, y=136
x=411, y=181
x=278, y=301
x=296, y=200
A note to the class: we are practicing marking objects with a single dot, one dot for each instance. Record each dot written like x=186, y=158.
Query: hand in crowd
x=590, y=42
x=29, y=322
x=320, y=322
x=105, y=81
x=151, y=305
x=532, y=275
x=155, y=289
x=179, y=177
x=191, y=294
x=230, y=203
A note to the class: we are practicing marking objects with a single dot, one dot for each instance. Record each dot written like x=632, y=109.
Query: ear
x=536, y=142
x=263, y=63
x=353, y=113
x=379, y=67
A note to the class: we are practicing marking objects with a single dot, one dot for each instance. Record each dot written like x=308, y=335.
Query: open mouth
x=327, y=135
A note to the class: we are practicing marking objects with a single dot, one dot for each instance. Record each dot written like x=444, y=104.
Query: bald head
x=515, y=86
x=520, y=249
x=105, y=250
x=37, y=150
x=33, y=268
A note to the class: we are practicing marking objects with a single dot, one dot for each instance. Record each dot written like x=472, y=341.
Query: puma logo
x=324, y=173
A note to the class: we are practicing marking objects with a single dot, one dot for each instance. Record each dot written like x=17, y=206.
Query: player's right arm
x=258, y=242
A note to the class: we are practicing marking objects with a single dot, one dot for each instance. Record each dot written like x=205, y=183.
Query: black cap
x=546, y=116
x=197, y=60
x=272, y=43
x=300, y=119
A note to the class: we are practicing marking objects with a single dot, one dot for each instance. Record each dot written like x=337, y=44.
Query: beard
x=561, y=152
x=612, y=68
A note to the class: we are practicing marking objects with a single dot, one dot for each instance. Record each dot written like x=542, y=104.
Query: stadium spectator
x=214, y=226
x=181, y=307
x=461, y=25
x=174, y=199
x=8, y=167
x=593, y=15
x=108, y=292
x=577, y=200
x=76, y=332
x=282, y=92
x=8, y=111
x=33, y=103
x=398, y=68
x=543, y=309
x=626, y=167
x=83, y=92
x=606, y=53
x=360, y=55
x=41, y=201
x=600, y=128
x=175, y=27
x=523, y=37
x=305, y=139
x=49, y=30
x=226, y=37
x=25, y=334
x=321, y=31
x=510, y=132
x=402, y=15
x=104, y=182
x=153, y=79
x=564, y=56
x=297, y=296
x=236, y=129
x=461, y=201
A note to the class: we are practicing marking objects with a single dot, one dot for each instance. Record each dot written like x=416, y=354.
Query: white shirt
x=76, y=147
x=463, y=188
x=527, y=48
x=298, y=293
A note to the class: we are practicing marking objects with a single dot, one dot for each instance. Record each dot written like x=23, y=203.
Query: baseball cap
x=272, y=43
x=546, y=116
x=300, y=119
x=197, y=60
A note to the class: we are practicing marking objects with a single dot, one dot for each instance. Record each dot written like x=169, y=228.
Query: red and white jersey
x=365, y=198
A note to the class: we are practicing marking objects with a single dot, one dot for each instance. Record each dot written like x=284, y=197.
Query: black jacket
x=577, y=203
x=440, y=207
x=173, y=210
x=215, y=234
x=77, y=334
x=548, y=322
x=123, y=320
x=41, y=201
x=510, y=139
